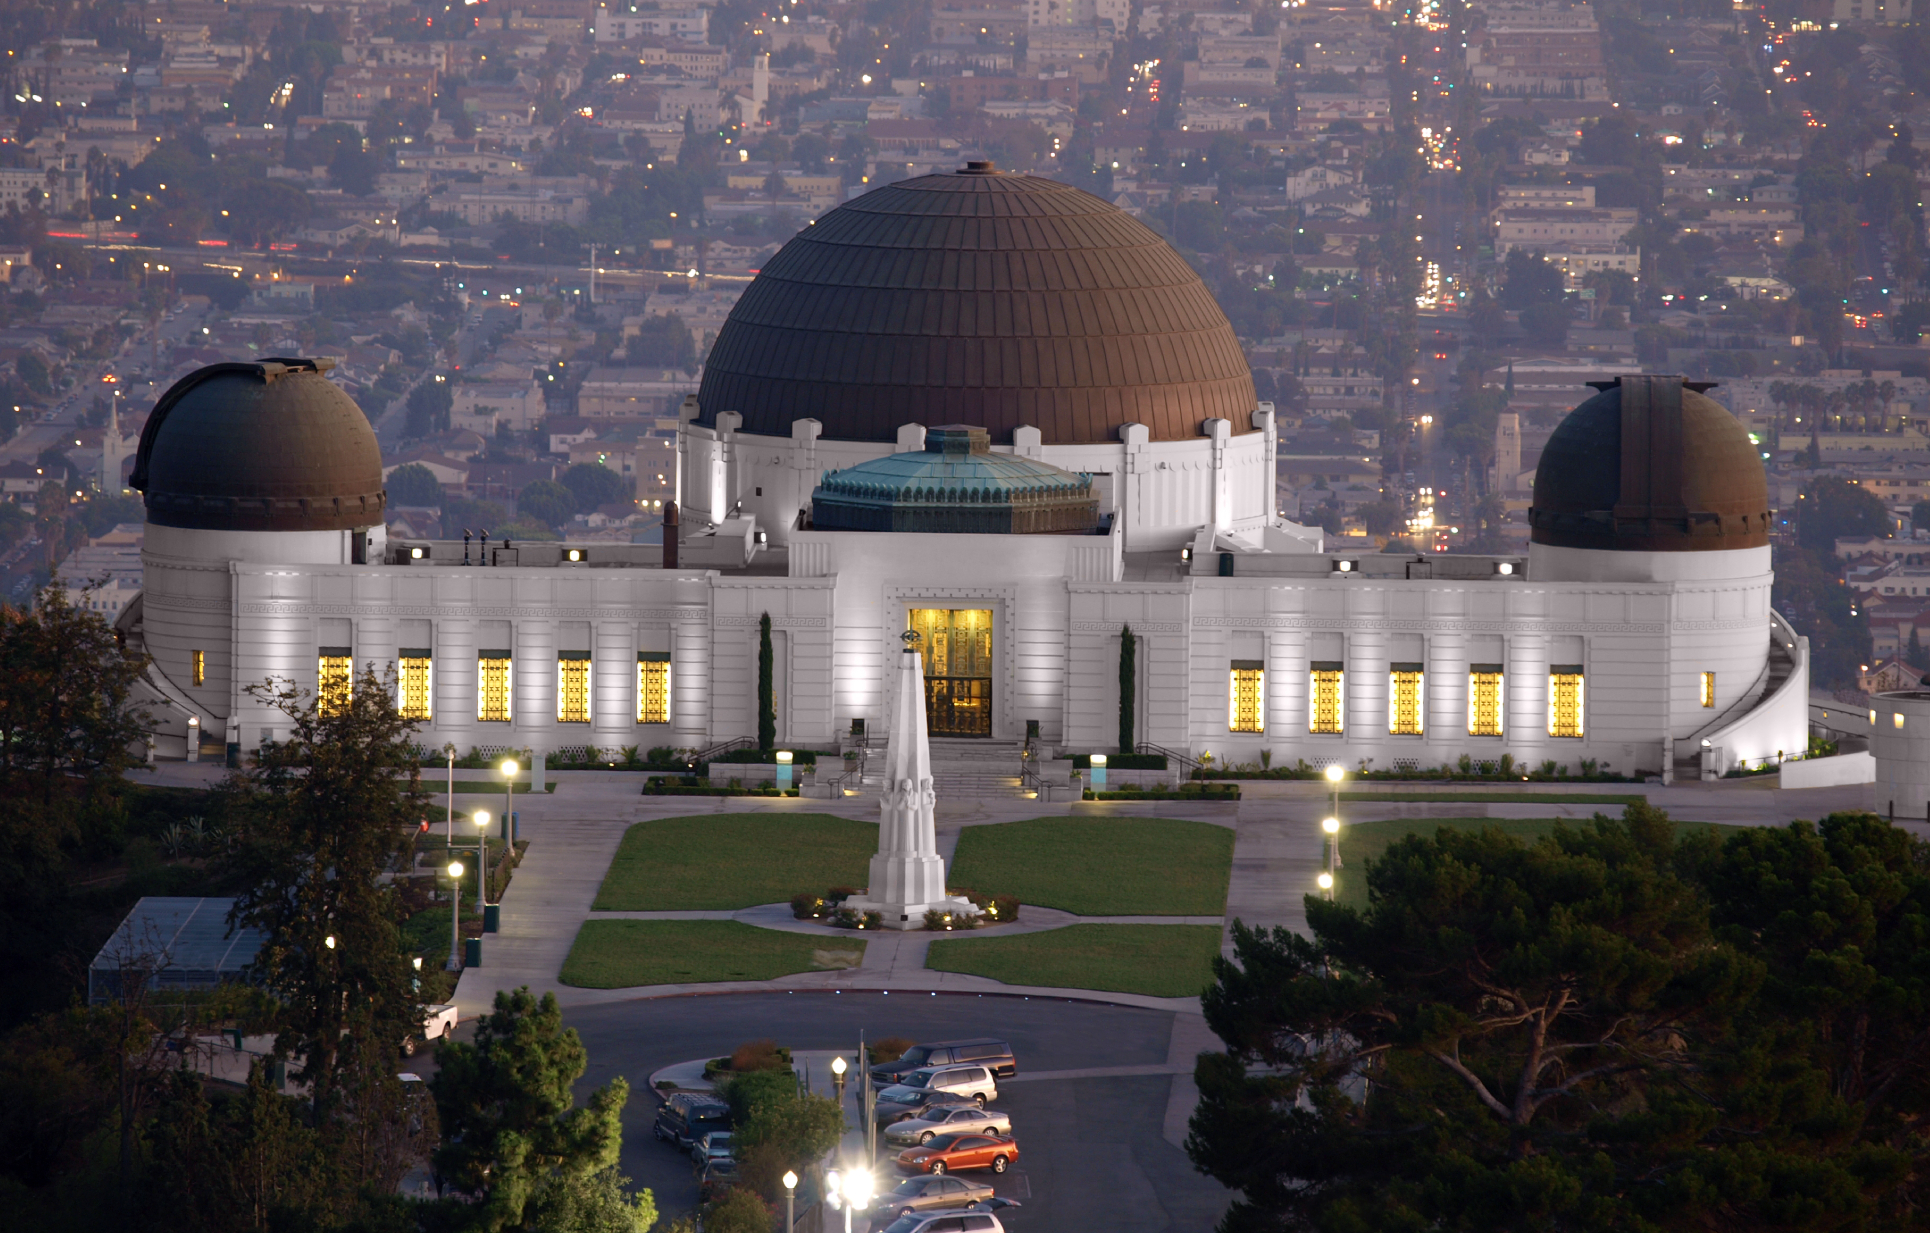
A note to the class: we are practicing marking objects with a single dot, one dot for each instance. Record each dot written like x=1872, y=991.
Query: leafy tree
x=1601, y=1030
x=512, y=1138
x=1380, y=517
x=429, y=404
x=596, y=485
x=1529, y=280
x=663, y=341
x=766, y=694
x=546, y=502
x=314, y=823
x=1830, y=509
x=33, y=370
x=1546, y=325
x=777, y=1128
x=414, y=484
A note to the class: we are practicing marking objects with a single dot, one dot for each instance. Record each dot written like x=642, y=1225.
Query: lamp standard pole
x=482, y=860
x=790, y=1201
x=509, y=785
x=455, y=913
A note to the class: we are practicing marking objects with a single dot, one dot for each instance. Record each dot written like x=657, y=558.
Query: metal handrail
x=1172, y=755
x=723, y=747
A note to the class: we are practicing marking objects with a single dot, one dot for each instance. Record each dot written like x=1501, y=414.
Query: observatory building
x=1001, y=412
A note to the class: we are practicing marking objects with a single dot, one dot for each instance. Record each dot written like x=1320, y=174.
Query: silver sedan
x=948, y=1119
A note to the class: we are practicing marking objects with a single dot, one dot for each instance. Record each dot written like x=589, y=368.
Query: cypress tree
x=1128, y=673
x=766, y=698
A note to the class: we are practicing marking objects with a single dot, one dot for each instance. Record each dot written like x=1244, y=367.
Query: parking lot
x=1093, y=1151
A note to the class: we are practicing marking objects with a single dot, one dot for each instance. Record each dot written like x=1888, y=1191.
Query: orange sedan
x=960, y=1151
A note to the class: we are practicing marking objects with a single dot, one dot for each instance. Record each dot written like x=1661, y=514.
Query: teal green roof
x=955, y=484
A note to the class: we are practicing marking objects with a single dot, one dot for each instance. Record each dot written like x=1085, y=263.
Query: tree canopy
x=1831, y=509
x=1606, y=1029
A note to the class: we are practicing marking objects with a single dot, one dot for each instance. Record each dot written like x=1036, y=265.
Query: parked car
x=717, y=1178
x=438, y=1023
x=994, y=1204
x=917, y=1194
x=908, y=1102
x=996, y=1055
x=712, y=1147
x=961, y=1151
x=688, y=1116
x=973, y=1081
x=948, y=1119
x=946, y=1222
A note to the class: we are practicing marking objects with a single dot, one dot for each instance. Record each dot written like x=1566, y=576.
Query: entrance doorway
x=957, y=645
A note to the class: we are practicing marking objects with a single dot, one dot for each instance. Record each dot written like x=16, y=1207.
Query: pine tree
x=342, y=794
x=1128, y=687
x=511, y=1136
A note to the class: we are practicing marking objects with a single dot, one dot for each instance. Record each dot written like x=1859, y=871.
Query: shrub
x=807, y=906
x=845, y=918
x=889, y=1049
x=838, y=894
x=942, y=922
x=759, y=1055
x=740, y=1211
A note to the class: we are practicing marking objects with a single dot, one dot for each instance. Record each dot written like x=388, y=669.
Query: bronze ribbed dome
x=265, y=446
x=978, y=298
x=1650, y=464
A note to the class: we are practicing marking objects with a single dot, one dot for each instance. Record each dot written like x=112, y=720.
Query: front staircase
x=961, y=769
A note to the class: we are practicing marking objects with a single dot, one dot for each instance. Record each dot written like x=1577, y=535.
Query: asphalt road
x=1093, y=1157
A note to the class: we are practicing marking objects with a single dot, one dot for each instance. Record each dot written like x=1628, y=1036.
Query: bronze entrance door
x=957, y=645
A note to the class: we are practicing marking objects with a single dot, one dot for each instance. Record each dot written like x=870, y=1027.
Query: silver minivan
x=975, y=1082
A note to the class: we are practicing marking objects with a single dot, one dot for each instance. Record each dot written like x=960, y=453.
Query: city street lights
x=455, y=912
x=838, y=1067
x=509, y=785
x=790, y=1201
x=1326, y=881
x=1336, y=773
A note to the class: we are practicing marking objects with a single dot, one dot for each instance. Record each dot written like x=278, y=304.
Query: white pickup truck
x=438, y=1023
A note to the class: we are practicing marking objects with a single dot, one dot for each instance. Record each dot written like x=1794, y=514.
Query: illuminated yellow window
x=1326, y=711
x=1565, y=701
x=1246, y=701
x=492, y=686
x=334, y=679
x=573, y=687
x=1896, y=717
x=1484, y=699
x=1708, y=689
x=653, y=687
x=1404, y=693
x=200, y=667
x=413, y=667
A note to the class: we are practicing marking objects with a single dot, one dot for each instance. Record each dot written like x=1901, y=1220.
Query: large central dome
x=978, y=298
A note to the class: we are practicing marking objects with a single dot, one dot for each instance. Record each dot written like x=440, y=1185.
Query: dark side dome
x=263, y=446
x=981, y=298
x=1650, y=464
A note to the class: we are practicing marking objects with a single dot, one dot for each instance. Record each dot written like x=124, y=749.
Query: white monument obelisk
x=908, y=875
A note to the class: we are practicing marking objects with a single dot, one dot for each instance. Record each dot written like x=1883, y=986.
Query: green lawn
x=1361, y=842
x=734, y=860
x=477, y=787
x=621, y=954
x=1171, y=961
x=1101, y=866
x=1502, y=797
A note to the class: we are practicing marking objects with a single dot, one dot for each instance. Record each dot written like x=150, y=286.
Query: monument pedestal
x=908, y=876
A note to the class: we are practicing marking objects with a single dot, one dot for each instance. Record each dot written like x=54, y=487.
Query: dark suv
x=994, y=1055
x=687, y=1117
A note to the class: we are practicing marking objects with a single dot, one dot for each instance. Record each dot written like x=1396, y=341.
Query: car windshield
x=911, y=1188
x=914, y=1056
x=917, y=1080
x=940, y=1142
x=709, y=1113
x=905, y=1223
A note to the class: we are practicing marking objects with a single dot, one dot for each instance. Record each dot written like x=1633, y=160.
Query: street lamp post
x=851, y=1191
x=455, y=913
x=838, y=1067
x=509, y=785
x=790, y=1201
x=1332, y=827
x=482, y=859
